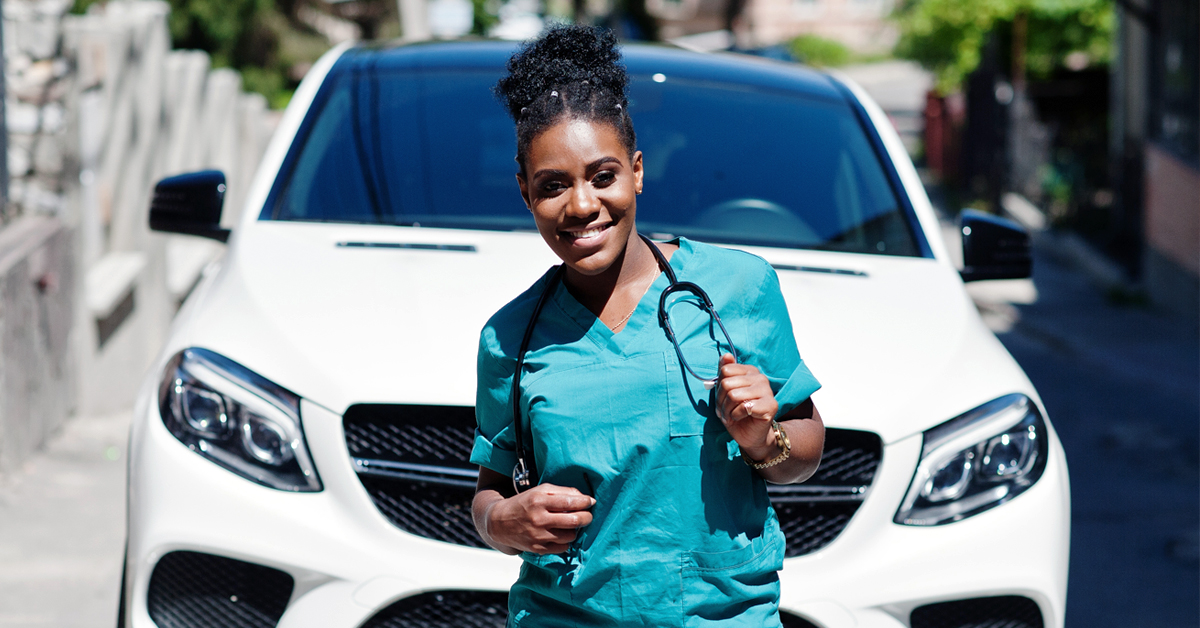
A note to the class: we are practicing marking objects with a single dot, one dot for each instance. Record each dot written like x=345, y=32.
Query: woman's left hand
x=746, y=405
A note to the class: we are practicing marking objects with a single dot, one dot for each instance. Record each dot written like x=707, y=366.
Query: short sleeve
x=771, y=346
x=494, y=446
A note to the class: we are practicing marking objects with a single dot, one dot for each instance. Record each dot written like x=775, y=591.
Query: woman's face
x=582, y=186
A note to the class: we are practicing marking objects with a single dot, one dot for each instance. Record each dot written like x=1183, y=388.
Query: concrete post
x=3, y=134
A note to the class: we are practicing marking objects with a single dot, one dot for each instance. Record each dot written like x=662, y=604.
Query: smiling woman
x=643, y=497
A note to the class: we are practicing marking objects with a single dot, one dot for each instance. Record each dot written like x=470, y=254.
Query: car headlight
x=237, y=419
x=976, y=461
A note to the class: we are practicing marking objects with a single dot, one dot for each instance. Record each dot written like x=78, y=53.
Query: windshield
x=723, y=163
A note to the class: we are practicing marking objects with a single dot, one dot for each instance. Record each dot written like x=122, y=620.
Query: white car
x=299, y=457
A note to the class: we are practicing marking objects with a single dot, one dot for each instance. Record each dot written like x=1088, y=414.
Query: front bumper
x=348, y=562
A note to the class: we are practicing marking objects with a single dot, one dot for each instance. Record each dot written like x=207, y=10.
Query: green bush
x=819, y=52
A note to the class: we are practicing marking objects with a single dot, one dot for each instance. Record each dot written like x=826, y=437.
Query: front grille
x=194, y=590
x=426, y=435
x=474, y=609
x=813, y=514
x=1010, y=611
x=414, y=462
x=808, y=527
x=851, y=458
x=427, y=509
x=445, y=609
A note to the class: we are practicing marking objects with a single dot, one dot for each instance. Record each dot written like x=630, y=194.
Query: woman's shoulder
x=725, y=262
x=502, y=333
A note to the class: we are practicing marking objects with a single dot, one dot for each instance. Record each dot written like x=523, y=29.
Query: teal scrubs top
x=683, y=533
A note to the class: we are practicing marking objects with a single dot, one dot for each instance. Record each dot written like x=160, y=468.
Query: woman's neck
x=612, y=294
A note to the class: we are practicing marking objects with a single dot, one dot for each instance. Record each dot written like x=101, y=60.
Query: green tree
x=946, y=35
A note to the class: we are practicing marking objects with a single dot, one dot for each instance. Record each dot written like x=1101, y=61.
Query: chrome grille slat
x=447, y=476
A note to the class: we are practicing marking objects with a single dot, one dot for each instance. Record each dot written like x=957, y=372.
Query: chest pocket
x=692, y=404
x=591, y=417
x=701, y=344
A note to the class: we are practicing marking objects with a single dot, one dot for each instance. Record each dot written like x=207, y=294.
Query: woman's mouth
x=586, y=236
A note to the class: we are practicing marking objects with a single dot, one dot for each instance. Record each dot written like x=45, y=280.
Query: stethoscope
x=523, y=472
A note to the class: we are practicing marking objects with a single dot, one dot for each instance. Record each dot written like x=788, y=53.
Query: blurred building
x=1155, y=143
x=862, y=25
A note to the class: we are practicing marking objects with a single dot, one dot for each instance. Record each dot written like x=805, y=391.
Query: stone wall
x=37, y=376
x=99, y=108
x=37, y=83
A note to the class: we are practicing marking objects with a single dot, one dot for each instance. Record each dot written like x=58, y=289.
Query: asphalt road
x=1122, y=387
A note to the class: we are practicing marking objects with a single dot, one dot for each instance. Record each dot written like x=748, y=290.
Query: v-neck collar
x=645, y=314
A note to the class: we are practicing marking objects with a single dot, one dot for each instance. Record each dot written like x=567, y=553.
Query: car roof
x=639, y=59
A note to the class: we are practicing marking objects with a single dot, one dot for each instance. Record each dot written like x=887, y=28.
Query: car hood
x=345, y=314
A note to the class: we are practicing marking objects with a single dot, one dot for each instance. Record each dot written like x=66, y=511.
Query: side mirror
x=190, y=204
x=993, y=248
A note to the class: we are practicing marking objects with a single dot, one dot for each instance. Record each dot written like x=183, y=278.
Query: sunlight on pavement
x=62, y=528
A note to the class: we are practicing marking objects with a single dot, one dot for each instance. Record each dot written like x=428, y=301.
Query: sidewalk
x=62, y=529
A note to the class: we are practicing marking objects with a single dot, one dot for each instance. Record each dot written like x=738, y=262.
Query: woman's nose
x=584, y=201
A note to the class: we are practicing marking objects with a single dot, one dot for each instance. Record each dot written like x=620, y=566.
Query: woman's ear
x=524, y=191
x=637, y=172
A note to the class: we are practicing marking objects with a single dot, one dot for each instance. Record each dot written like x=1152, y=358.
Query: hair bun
x=561, y=55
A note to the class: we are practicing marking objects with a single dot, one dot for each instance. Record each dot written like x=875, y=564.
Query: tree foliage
x=819, y=52
x=268, y=41
x=946, y=36
x=220, y=27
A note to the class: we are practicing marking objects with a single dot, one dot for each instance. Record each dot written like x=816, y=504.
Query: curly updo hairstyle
x=569, y=72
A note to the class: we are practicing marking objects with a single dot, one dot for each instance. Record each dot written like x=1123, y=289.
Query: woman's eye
x=604, y=178
x=551, y=187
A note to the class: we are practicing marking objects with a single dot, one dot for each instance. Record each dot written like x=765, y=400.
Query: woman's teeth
x=590, y=233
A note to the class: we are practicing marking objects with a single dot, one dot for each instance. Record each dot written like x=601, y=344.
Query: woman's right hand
x=543, y=520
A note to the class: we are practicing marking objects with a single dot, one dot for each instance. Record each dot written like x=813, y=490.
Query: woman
x=649, y=505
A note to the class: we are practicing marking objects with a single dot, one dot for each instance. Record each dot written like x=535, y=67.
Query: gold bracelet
x=781, y=439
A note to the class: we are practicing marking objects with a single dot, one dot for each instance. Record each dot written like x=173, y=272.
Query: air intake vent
x=793, y=621
x=445, y=609
x=1010, y=611
x=194, y=590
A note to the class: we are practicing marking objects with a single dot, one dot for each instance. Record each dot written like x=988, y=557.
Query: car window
x=724, y=163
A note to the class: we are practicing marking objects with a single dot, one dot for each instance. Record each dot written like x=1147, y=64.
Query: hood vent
x=412, y=246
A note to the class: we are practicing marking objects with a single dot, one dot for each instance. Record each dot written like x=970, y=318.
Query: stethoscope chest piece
x=521, y=476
